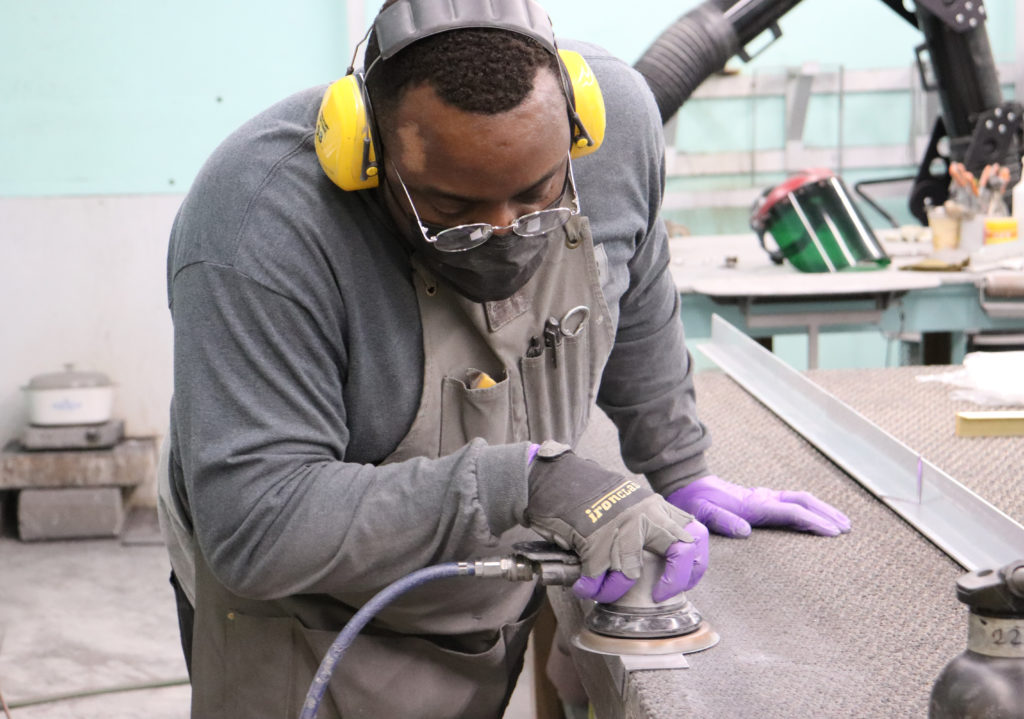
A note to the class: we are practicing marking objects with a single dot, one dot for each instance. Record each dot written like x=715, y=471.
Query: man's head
x=471, y=124
x=473, y=127
x=475, y=124
x=483, y=70
x=478, y=74
x=474, y=121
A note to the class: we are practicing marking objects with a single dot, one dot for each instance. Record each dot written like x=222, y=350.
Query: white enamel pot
x=69, y=397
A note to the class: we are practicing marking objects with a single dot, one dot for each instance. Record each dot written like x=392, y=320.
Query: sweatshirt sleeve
x=647, y=387
x=261, y=432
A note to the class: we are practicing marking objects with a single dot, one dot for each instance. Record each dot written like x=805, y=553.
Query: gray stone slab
x=129, y=463
x=69, y=513
x=853, y=626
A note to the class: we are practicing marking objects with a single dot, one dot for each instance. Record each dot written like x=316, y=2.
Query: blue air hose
x=361, y=618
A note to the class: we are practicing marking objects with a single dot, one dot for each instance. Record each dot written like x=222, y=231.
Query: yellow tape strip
x=1000, y=423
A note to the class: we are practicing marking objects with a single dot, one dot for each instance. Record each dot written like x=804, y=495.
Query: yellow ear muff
x=343, y=139
x=588, y=102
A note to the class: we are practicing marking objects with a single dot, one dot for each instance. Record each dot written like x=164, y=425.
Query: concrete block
x=131, y=462
x=69, y=513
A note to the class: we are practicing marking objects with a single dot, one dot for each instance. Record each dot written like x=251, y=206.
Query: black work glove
x=609, y=520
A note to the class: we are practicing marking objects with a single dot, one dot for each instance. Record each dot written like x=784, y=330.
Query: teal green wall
x=123, y=96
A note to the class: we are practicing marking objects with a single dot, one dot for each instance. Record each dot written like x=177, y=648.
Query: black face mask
x=495, y=270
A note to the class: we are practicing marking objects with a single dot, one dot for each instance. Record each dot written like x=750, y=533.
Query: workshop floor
x=85, y=617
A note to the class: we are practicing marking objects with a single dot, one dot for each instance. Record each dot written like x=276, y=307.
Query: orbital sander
x=631, y=627
x=634, y=624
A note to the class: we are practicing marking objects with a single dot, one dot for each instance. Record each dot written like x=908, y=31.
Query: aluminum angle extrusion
x=970, y=530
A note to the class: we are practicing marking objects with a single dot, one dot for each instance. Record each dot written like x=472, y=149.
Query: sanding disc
x=658, y=621
x=702, y=638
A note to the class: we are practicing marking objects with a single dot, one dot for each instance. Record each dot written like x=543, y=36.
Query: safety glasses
x=466, y=237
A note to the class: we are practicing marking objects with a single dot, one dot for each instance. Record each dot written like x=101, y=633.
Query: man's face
x=462, y=167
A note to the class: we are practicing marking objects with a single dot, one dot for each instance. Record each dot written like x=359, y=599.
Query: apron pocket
x=387, y=675
x=468, y=413
x=259, y=656
x=557, y=385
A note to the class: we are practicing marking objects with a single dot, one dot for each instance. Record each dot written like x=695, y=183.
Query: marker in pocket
x=552, y=337
x=536, y=349
x=482, y=381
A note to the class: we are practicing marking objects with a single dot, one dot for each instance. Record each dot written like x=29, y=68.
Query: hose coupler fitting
x=547, y=563
x=513, y=569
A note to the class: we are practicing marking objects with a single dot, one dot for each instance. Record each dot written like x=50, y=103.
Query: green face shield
x=816, y=225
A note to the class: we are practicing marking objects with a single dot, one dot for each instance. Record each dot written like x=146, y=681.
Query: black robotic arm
x=976, y=126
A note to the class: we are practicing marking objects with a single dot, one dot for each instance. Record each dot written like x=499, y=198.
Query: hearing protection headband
x=344, y=128
x=407, y=21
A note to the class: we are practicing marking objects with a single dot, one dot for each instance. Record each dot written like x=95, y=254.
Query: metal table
x=731, y=275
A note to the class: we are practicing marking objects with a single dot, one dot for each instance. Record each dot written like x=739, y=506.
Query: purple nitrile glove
x=610, y=521
x=730, y=509
x=685, y=564
x=605, y=587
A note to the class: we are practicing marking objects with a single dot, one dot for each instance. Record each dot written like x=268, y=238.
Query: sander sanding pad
x=703, y=637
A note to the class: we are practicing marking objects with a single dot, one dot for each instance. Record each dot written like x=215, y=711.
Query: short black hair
x=482, y=70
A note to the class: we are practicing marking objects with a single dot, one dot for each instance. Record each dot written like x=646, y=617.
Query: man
x=368, y=381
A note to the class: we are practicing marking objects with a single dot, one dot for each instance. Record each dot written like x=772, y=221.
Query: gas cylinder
x=986, y=681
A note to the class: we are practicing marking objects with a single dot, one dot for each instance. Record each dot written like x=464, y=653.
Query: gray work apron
x=453, y=647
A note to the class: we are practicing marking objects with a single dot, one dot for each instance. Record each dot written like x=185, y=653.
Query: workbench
x=732, y=276
x=858, y=625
